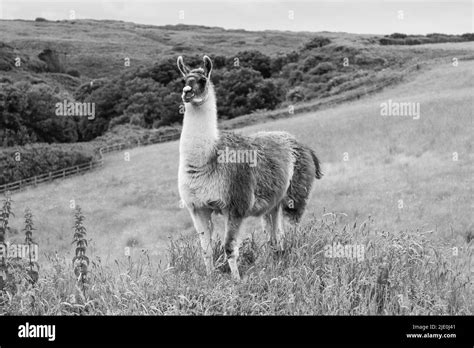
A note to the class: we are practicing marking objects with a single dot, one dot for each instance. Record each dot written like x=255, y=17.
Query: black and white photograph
x=227, y=163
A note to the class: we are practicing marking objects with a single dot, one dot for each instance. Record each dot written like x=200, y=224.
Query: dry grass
x=402, y=273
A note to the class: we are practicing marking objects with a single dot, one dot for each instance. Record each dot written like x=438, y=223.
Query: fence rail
x=84, y=167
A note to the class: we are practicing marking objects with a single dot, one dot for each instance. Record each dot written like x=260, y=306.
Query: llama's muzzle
x=188, y=93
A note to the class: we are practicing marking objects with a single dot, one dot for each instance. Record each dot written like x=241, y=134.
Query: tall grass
x=401, y=273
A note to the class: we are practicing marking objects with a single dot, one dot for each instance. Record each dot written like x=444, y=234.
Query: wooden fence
x=84, y=167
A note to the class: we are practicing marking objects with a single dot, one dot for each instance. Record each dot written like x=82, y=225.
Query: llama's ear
x=207, y=65
x=183, y=68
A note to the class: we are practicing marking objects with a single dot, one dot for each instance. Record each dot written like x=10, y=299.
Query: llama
x=278, y=185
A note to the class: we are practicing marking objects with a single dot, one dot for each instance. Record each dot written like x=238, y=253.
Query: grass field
x=400, y=171
x=388, y=159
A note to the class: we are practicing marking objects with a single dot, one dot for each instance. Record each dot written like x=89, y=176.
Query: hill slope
x=390, y=159
x=98, y=48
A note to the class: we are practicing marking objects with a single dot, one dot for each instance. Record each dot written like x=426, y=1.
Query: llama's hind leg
x=204, y=227
x=231, y=245
x=273, y=223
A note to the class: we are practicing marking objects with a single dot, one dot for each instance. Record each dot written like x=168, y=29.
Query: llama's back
x=258, y=186
x=306, y=168
x=284, y=171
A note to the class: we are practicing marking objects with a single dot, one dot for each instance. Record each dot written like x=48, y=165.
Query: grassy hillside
x=98, y=48
x=389, y=159
x=43, y=63
x=371, y=162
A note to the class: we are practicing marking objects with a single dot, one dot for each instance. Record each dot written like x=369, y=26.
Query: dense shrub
x=241, y=91
x=7, y=57
x=21, y=162
x=36, y=65
x=163, y=72
x=322, y=68
x=295, y=94
x=129, y=95
x=366, y=58
x=296, y=76
x=52, y=60
x=267, y=95
x=397, y=36
x=84, y=90
x=28, y=115
x=312, y=60
x=74, y=72
x=386, y=41
x=316, y=42
x=255, y=60
x=402, y=39
x=468, y=36
x=219, y=62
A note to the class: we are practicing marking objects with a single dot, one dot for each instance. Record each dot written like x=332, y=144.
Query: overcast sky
x=370, y=16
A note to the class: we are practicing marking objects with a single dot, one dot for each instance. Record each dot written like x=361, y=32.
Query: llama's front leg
x=273, y=223
x=231, y=245
x=204, y=227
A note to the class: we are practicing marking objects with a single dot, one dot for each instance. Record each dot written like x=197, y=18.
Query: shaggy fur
x=285, y=171
x=278, y=184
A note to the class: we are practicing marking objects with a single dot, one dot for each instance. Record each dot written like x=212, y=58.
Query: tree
x=163, y=72
x=241, y=91
x=266, y=95
x=255, y=60
x=28, y=115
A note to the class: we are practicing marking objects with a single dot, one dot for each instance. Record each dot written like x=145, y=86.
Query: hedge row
x=21, y=162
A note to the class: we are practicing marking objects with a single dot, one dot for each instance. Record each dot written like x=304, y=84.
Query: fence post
x=35, y=181
x=50, y=176
x=77, y=169
x=64, y=173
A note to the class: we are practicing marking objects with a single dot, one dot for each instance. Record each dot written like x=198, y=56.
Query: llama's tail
x=307, y=167
x=318, y=173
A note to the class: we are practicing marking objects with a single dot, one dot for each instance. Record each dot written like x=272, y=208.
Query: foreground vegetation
x=396, y=273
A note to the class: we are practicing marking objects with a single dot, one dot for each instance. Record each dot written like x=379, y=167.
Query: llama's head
x=197, y=81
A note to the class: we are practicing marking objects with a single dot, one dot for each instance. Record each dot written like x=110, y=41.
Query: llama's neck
x=199, y=133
